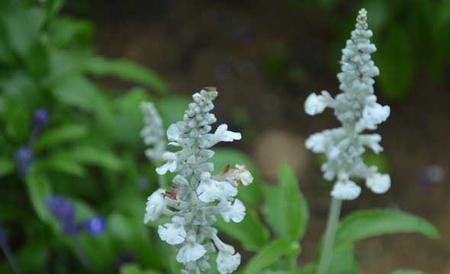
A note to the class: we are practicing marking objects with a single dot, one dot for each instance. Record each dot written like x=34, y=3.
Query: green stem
x=330, y=234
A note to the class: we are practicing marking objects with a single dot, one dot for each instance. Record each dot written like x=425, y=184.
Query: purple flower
x=40, y=117
x=23, y=157
x=64, y=211
x=95, y=226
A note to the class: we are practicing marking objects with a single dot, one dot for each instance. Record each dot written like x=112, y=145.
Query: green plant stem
x=330, y=234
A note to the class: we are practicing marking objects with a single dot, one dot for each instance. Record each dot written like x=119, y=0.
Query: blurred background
x=264, y=57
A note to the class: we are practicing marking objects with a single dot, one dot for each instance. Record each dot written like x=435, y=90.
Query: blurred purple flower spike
x=40, y=117
x=95, y=226
x=23, y=157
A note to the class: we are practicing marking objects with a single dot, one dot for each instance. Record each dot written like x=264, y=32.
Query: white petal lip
x=190, y=252
x=171, y=233
x=234, y=212
x=315, y=104
x=347, y=190
x=379, y=183
x=227, y=263
x=222, y=134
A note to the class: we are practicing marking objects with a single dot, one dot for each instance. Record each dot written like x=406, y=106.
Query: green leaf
x=127, y=71
x=64, y=134
x=396, y=62
x=251, y=233
x=130, y=269
x=343, y=260
x=268, y=255
x=371, y=223
x=38, y=189
x=407, y=271
x=95, y=156
x=76, y=91
x=286, y=209
x=7, y=166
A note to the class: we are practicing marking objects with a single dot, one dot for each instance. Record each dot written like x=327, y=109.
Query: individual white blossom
x=198, y=197
x=379, y=183
x=156, y=205
x=358, y=111
x=153, y=132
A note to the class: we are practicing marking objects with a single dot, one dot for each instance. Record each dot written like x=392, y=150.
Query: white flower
x=232, y=211
x=172, y=233
x=243, y=175
x=156, y=204
x=345, y=190
x=190, y=252
x=211, y=190
x=317, y=142
x=315, y=104
x=357, y=110
x=170, y=165
x=228, y=262
x=374, y=115
x=153, y=132
x=197, y=196
x=378, y=183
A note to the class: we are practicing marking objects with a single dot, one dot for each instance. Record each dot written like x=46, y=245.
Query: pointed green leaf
x=370, y=223
x=268, y=255
x=286, y=209
x=63, y=134
x=251, y=233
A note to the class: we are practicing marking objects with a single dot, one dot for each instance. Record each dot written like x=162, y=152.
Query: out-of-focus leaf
x=343, y=260
x=268, y=255
x=38, y=189
x=370, y=223
x=408, y=271
x=379, y=13
x=134, y=269
x=378, y=160
x=251, y=194
x=127, y=71
x=78, y=92
x=251, y=233
x=32, y=257
x=53, y=6
x=62, y=162
x=64, y=134
x=65, y=30
x=22, y=28
x=7, y=166
x=172, y=109
x=396, y=62
x=129, y=116
x=308, y=269
x=96, y=156
x=286, y=209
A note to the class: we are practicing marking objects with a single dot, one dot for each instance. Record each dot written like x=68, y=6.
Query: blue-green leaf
x=370, y=223
x=7, y=166
x=407, y=271
x=38, y=189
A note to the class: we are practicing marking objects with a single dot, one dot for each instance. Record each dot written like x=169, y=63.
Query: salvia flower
x=40, y=117
x=153, y=133
x=95, y=225
x=64, y=212
x=197, y=196
x=23, y=158
x=357, y=110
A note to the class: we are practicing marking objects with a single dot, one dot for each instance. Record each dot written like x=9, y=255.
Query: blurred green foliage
x=91, y=153
x=411, y=37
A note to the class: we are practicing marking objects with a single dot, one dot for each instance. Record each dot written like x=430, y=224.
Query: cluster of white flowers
x=197, y=196
x=153, y=132
x=357, y=110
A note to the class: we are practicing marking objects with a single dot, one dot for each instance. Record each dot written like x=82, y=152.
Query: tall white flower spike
x=357, y=110
x=198, y=197
x=153, y=132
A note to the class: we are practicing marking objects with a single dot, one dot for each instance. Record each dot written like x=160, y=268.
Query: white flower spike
x=197, y=196
x=153, y=132
x=357, y=110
